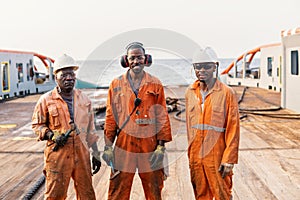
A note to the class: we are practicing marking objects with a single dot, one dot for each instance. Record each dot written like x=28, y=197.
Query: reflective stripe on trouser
x=71, y=160
x=120, y=186
x=208, y=127
x=208, y=183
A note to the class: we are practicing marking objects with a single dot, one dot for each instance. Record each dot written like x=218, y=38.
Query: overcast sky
x=78, y=27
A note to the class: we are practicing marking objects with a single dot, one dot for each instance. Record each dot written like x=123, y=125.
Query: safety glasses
x=206, y=66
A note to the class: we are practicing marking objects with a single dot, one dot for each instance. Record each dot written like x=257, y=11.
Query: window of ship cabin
x=294, y=63
x=20, y=72
x=5, y=76
x=27, y=72
x=269, y=68
x=30, y=72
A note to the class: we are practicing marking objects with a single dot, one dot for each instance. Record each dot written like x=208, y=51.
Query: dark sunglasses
x=206, y=66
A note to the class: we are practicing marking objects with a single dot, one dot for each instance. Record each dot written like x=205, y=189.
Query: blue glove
x=108, y=155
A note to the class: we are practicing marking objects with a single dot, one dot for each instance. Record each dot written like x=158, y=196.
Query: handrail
x=252, y=52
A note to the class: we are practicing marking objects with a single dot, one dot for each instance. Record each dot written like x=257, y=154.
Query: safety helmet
x=205, y=55
x=64, y=61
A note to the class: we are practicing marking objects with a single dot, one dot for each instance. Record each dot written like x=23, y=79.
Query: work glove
x=60, y=140
x=49, y=135
x=108, y=155
x=157, y=158
x=225, y=169
x=96, y=163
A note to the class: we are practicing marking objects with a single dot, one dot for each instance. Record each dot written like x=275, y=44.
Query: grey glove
x=157, y=158
x=225, y=169
x=108, y=155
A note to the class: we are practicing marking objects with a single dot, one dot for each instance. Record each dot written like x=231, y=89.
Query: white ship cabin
x=23, y=73
x=290, y=97
x=259, y=67
x=273, y=67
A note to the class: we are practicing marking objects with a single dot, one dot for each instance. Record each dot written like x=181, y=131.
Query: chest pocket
x=194, y=110
x=191, y=112
x=83, y=114
x=218, y=116
x=218, y=110
x=151, y=97
x=53, y=115
x=117, y=101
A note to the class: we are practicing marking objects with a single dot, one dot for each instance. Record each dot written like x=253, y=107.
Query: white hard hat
x=63, y=62
x=205, y=55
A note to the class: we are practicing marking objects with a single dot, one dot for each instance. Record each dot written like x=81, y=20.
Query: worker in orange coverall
x=63, y=110
x=213, y=130
x=137, y=121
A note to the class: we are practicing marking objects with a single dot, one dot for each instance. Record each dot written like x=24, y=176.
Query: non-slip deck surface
x=269, y=156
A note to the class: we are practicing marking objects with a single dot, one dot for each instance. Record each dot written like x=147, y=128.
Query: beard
x=137, y=69
x=66, y=87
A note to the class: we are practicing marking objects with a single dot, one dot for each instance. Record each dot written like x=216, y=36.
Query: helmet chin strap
x=216, y=72
x=58, y=89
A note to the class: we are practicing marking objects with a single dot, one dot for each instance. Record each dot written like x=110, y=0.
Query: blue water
x=169, y=71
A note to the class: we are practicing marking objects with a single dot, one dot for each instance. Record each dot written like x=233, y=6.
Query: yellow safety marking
x=8, y=125
x=24, y=138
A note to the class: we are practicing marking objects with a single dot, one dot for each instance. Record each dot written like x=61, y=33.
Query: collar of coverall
x=56, y=95
x=216, y=87
x=146, y=78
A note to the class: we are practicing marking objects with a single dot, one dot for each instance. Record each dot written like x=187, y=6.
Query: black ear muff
x=124, y=61
x=148, y=60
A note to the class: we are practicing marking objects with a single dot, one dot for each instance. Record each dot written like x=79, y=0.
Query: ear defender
x=124, y=60
x=148, y=60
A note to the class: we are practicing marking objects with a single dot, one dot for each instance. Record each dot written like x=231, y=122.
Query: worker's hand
x=61, y=140
x=96, y=163
x=157, y=157
x=108, y=155
x=225, y=169
x=49, y=135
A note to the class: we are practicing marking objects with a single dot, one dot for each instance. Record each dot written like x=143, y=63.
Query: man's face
x=204, y=71
x=136, y=60
x=65, y=79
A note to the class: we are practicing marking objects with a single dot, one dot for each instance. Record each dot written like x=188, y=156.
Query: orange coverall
x=138, y=139
x=73, y=159
x=213, y=136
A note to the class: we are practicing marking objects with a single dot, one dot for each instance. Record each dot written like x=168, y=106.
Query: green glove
x=157, y=158
x=108, y=155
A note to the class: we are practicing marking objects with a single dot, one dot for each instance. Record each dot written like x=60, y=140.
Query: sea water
x=169, y=71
